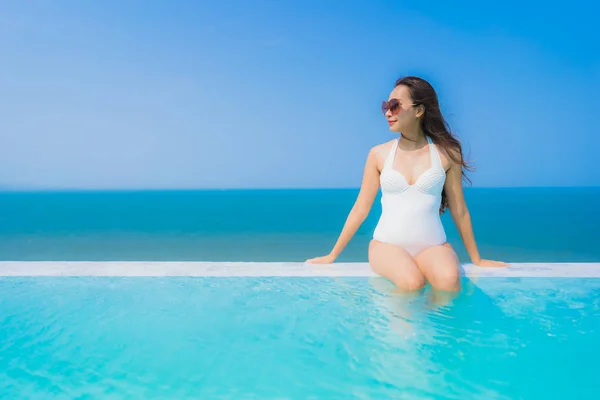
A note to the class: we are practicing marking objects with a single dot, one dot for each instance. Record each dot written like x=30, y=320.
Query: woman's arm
x=360, y=210
x=462, y=218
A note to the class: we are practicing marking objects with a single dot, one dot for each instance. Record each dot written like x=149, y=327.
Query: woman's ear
x=420, y=111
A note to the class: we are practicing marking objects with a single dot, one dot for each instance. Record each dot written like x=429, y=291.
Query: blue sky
x=193, y=94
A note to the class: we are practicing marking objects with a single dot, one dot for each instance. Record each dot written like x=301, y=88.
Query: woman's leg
x=441, y=267
x=394, y=263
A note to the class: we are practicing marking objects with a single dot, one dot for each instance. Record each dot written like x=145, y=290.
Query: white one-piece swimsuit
x=410, y=216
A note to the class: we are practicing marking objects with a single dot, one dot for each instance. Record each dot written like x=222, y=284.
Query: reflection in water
x=474, y=343
x=425, y=333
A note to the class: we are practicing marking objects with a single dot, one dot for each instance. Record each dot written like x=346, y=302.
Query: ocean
x=510, y=224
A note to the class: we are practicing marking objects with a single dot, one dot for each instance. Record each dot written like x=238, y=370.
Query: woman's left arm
x=461, y=217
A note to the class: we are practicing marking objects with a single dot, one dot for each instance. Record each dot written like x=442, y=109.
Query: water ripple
x=267, y=338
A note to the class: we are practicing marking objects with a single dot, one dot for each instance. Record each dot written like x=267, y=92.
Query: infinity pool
x=345, y=337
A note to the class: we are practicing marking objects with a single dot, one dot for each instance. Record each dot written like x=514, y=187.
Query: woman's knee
x=410, y=282
x=447, y=279
x=441, y=267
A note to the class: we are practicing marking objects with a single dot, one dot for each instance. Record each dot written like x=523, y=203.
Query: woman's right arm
x=360, y=210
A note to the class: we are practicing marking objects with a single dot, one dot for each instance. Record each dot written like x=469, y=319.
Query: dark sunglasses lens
x=394, y=106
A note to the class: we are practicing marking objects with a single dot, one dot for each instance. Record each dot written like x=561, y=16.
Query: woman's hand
x=490, y=263
x=328, y=259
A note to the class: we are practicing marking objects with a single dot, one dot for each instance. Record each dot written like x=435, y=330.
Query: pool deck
x=284, y=269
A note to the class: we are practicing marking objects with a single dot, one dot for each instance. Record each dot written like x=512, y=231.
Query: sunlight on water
x=238, y=338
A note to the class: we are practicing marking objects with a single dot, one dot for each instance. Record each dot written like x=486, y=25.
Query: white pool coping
x=271, y=269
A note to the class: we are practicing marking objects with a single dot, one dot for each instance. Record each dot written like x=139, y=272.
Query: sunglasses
x=393, y=106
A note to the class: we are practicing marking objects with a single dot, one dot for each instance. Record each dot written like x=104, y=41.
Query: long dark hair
x=434, y=125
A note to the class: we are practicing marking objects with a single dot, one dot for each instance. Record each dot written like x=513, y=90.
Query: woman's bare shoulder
x=380, y=152
x=447, y=161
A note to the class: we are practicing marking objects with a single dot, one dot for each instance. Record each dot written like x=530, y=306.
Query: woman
x=420, y=174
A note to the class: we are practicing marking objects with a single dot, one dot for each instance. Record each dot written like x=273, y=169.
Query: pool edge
x=273, y=269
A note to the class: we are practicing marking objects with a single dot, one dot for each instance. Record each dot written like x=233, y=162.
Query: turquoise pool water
x=296, y=338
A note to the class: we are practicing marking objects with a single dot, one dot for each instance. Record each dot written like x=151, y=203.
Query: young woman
x=420, y=174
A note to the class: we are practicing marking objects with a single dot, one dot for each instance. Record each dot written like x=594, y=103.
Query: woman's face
x=399, y=110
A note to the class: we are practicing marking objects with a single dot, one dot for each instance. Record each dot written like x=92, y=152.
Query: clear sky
x=217, y=94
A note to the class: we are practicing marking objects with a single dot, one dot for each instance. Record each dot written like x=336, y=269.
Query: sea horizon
x=243, y=188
